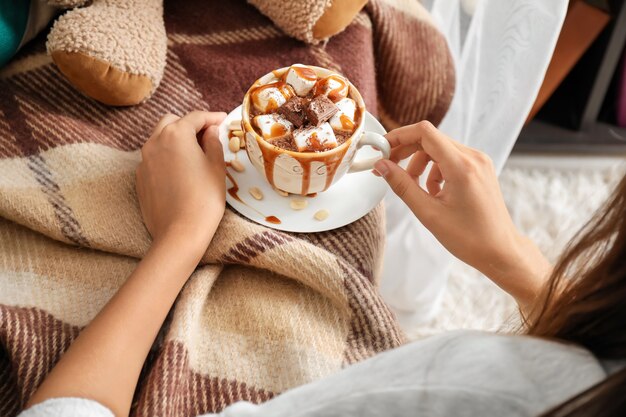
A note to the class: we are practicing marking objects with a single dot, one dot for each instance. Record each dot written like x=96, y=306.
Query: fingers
x=406, y=188
x=424, y=136
x=435, y=180
x=165, y=120
x=418, y=164
x=210, y=144
x=209, y=137
x=403, y=151
x=173, y=127
x=200, y=120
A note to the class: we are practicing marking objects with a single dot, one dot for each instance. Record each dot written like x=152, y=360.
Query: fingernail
x=382, y=168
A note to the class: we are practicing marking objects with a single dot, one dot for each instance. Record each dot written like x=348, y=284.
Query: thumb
x=212, y=147
x=209, y=142
x=405, y=187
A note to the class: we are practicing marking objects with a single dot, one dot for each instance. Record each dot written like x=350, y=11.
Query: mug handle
x=371, y=139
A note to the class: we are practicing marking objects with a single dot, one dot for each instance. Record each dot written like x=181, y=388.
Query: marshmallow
x=269, y=97
x=273, y=126
x=335, y=87
x=315, y=139
x=343, y=120
x=301, y=78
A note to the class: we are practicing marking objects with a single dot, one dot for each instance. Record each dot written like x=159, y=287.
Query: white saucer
x=349, y=199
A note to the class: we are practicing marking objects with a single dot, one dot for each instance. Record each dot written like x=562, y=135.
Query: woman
x=575, y=313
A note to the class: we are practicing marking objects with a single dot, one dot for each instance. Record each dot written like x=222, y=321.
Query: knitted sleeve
x=67, y=407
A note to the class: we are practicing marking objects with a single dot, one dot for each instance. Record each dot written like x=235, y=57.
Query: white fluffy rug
x=549, y=198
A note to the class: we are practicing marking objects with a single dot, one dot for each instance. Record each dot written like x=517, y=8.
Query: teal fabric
x=13, y=21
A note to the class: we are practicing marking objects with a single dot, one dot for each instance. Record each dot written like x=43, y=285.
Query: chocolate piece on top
x=320, y=109
x=293, y=110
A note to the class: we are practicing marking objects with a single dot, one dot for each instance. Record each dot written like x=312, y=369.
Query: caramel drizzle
x=272, y=105
x=305, y=72
x=331, y=169
x=332, y=163
x=335, y=94
x=280, y=73
x=346, y=123
x=285, y=89
x=277, y=131
x=316, y=144
x=269, y=159
x=234, y=193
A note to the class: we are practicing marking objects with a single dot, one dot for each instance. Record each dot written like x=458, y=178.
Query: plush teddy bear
x=114, y=50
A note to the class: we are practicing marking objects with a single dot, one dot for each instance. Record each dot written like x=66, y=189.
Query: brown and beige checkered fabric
x=265, y=311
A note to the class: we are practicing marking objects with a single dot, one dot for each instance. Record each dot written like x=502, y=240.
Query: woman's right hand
x=463, y=208
x=181, y=180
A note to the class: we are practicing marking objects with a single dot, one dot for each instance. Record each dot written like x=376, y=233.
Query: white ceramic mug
x=309, y=172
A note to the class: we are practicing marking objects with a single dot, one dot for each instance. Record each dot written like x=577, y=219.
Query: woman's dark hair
x=584, y=303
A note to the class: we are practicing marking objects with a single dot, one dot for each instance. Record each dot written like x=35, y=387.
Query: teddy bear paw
x=110, y=57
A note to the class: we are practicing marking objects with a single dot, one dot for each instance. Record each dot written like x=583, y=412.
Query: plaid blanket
x=265, y=311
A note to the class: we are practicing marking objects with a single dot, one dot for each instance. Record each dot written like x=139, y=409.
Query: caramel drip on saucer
x=273, y=220
x=233, y=191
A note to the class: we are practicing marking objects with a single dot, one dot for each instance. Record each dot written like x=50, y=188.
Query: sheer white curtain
x=501, y=50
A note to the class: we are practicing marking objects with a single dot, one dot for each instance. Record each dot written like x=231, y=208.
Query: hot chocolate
x=301, y=112
x=302, y=127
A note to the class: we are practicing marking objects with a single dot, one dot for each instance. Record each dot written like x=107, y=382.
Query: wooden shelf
x=573, y=120
x=598, y=138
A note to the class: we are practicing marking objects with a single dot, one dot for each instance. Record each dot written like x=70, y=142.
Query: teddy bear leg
x=112, y=50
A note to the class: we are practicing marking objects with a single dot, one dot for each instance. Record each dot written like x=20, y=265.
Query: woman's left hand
x=180, y=180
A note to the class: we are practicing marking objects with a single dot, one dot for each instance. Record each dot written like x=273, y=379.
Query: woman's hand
x=180, y=185
x=180, y=180
x=463, y=207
